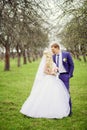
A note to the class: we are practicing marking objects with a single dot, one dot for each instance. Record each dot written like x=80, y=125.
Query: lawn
x=15, y=87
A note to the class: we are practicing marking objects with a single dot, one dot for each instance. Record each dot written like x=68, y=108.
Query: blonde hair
x=49, y=62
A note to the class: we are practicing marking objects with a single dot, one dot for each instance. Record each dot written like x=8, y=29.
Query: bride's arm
x=50, y=69
x=47, y=70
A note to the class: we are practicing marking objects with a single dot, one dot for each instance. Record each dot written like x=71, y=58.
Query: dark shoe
x=70, y=114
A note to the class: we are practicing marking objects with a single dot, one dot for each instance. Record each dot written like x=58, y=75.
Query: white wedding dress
x=49, y=97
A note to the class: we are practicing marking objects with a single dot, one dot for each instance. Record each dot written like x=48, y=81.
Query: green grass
x=15, y=87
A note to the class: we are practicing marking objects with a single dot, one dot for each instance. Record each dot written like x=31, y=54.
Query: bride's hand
x=47, y=71
x=56, y=69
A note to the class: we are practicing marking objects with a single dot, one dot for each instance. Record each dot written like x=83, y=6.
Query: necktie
x=57, y=61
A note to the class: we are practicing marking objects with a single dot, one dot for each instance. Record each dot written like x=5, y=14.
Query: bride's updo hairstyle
x=48, y=54
x=47, y=51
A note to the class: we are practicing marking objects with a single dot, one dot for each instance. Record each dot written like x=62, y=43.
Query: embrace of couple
x=50, y=95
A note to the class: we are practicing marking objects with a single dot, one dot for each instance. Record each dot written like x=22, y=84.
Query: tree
x=74, y=33
x=17, y=20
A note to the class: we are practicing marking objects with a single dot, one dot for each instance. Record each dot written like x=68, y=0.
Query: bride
x=49, y=97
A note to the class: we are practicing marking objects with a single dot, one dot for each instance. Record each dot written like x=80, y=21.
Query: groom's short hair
x=55, y=45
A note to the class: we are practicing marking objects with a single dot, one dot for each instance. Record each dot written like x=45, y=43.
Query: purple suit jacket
x=67, y=62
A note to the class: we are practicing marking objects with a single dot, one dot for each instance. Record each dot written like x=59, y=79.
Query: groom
x=65, y=66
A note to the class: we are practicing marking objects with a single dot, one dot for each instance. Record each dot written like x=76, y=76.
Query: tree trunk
x=78, y=57
x=19, y=59
x=24, y=57
x=18, y=55
x=29, y=56
x=84, y=58
x=7, y=58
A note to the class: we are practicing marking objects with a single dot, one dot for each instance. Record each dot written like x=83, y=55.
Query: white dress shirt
x=61, y=67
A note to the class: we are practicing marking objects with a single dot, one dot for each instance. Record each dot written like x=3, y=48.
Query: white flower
x=64, y=59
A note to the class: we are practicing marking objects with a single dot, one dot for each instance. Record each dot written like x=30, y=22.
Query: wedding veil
x=40, y=73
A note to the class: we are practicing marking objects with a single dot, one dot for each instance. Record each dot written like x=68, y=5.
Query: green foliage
x=15, y=87
x=73, y=35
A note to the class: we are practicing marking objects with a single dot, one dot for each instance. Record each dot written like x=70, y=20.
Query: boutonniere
x=64, y=59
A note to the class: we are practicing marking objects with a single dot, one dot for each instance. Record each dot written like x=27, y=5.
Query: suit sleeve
x=71, y=65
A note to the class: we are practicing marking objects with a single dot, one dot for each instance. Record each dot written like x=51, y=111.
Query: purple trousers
x=65, y=78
